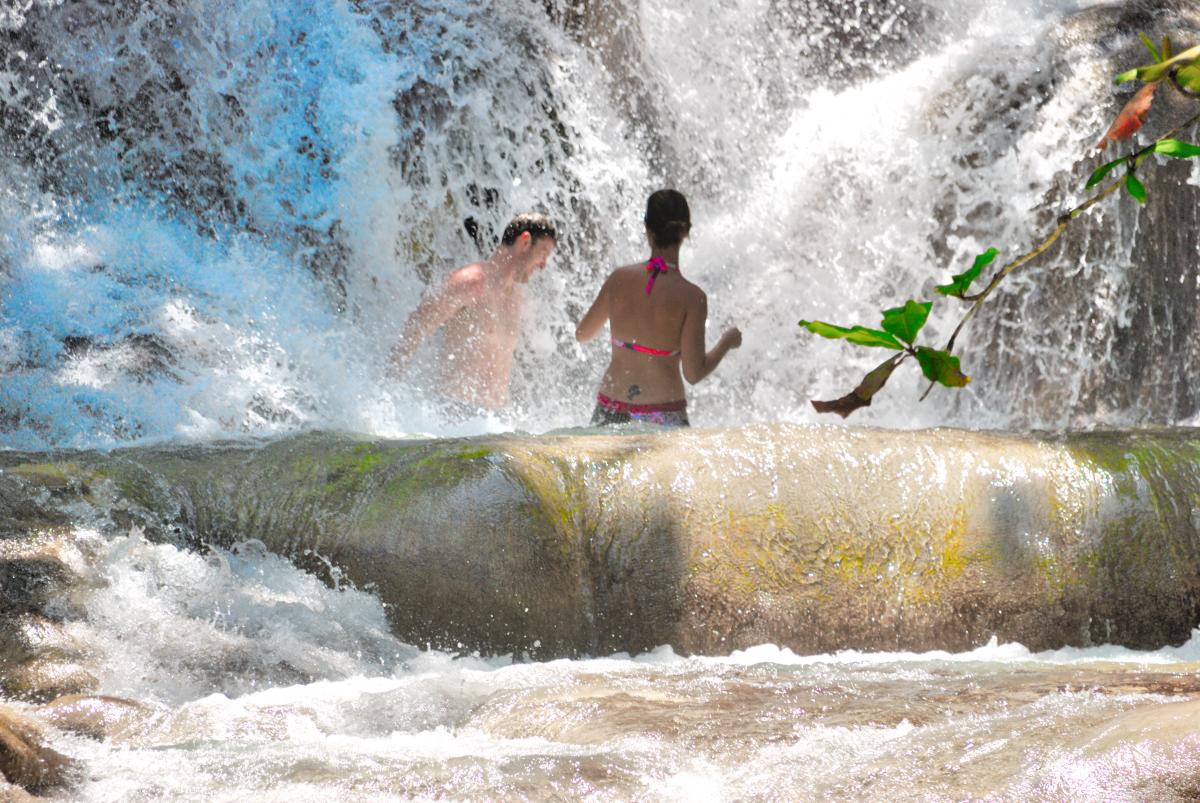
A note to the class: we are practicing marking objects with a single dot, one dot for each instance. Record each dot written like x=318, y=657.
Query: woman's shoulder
x=633, y=267
x=635, y=274
x=624, y=274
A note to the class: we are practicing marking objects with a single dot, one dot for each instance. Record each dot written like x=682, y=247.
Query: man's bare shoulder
x=467, y=280
x=467, y=274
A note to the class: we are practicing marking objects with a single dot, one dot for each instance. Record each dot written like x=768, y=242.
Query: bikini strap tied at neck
x=655, y=266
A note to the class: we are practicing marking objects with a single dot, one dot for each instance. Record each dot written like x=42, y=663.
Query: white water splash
x=812, y=197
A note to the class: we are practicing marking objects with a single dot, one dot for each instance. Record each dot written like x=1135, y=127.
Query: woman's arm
x=596, y=317
x=696, y=362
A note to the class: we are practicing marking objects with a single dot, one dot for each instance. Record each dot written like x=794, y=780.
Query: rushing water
x=214, y=217
x=258, y=681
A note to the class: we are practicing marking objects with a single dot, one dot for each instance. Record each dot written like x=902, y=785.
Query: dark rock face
x=1103, y=328
x=38, y=660
x=144, y=357
x=146, y=106
x=846, y=41
x=141, y=111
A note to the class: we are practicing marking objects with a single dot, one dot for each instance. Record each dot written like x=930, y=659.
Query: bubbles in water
x=170, y=626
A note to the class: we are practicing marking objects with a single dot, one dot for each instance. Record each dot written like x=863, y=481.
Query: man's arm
x=595, y=318
x=464, y=286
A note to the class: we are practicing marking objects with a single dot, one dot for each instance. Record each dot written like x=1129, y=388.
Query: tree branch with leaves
x=901, y=326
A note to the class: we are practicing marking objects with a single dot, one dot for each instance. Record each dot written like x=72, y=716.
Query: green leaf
x=1166, y=49
x=941, y=366
x=1189, y=78
x=1150, y=46
x=962, y=281
x=1128, y=75
x=861, y=396
x=905, y=322
x=858, y=335
x=1136, y=188
x=1102, y=171
x=1176, y=149
x=1155, y=72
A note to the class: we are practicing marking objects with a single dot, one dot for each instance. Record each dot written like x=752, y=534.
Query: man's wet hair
x=537, y=225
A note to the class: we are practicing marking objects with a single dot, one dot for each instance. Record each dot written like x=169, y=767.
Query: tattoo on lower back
x=634, y=391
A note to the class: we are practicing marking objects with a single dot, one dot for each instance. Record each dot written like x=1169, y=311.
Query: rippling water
x=258, y=681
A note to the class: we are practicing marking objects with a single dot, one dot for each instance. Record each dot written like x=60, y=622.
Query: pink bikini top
x=640, y=349
x=654, y=267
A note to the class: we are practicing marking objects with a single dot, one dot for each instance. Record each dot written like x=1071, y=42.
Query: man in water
x=479, y=307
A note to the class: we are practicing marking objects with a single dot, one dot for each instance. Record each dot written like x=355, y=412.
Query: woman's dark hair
x=668, y=217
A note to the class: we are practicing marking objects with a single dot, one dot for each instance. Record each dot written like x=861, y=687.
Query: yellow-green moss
x=557, y=497
x=51, y=475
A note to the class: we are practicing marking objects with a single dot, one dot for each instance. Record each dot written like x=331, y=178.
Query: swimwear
x=640, y=349
x=613, y=411
x=655, y=266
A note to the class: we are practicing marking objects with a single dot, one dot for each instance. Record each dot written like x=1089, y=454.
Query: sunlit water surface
x=260, y=682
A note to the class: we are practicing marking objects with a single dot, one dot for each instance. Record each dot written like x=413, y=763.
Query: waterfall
x=217, y=215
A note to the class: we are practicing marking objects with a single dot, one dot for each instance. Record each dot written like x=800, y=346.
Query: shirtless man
x=479, y=307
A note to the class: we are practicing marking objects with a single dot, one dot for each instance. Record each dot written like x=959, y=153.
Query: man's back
x=479, y=341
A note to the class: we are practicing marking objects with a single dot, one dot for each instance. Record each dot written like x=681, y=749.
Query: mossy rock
x=813, y=538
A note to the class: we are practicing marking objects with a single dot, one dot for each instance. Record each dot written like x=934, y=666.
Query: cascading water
x=215, y=216
x=255, y=680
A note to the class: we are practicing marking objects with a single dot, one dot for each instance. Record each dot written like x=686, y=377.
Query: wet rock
x=47, y=677
x=25, y=637
x=25, y=760
x=14, y=794
x=1115, y=303
x=25, y=501
x=27, y=584
x=816, y=539
x=37, y=575
x=141, y=356
x=40, y=661
x=99, y=716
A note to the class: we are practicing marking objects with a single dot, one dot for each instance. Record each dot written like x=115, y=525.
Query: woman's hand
x=731, y=338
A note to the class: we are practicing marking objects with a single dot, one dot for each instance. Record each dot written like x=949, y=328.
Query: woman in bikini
x=657, y=319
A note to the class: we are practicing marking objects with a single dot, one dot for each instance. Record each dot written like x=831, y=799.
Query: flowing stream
x=215, y=216
x=260, y=682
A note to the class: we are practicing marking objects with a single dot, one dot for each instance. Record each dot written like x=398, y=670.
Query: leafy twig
x=901, y=325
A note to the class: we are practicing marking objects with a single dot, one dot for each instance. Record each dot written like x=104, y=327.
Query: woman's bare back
x=652, y=320
x=657, y=320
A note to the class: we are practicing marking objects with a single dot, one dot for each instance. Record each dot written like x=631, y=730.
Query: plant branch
x=1064, y=220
